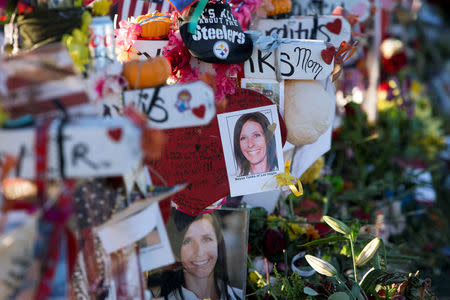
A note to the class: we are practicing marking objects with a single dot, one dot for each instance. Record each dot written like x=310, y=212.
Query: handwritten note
x=150, y=48
x=90, y=147
x=173, y=106
x=332, y=29
x=299, y=59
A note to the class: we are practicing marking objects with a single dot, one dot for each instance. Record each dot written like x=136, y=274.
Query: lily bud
x=321, y=266
x=337, y=225
x=368, y=252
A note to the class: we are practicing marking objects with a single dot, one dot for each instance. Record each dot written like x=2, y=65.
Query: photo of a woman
x=254, y=145
x=199, y=247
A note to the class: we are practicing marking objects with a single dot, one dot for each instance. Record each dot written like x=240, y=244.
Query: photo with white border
x=251, y=141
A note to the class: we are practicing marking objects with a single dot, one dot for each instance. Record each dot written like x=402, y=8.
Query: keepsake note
x=90, y=147
x=330, y=29
x=298, y=59
x=251, y=141
x=174, y=106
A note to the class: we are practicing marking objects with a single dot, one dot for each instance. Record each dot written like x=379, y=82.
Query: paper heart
x=208, y=175
x=115, y=134
x=199, y=111
x=334, y=27
x=328, y=54
x=272, y=127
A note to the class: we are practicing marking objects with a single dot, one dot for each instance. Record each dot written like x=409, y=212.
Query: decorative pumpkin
x=141, y=74
x=308, y=111
x=280, y=7
x=154, y=25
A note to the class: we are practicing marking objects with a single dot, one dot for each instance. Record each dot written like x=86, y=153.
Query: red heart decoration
x=194, y=155
x=328, y=54
x=115, y=134
x=199, y=111
x=334, y=27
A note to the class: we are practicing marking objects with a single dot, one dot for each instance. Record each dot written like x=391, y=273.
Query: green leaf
x=324, y=241
x=339, y=296
x=310, y=291
x=376, y=276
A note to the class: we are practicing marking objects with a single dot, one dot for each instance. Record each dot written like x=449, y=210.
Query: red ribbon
x=57, y=215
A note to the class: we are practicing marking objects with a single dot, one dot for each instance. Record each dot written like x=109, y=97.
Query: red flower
x=273, y=242
x=361, y=214
x=395, y=63
x=349, y=110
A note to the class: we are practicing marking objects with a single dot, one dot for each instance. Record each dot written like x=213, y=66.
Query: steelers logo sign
x=221, y=49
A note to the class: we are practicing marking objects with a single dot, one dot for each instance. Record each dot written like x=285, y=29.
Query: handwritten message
x=90, y=147
x=298, y=60
x=193, y=156
x=149, y=48
x=173, y=106
x=326, y=7
x=332, y=29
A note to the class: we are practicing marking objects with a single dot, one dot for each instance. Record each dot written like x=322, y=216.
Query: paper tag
x=150, y=48
x=119, y=234
x=91, y=147
x=174, y=106
x=331, y=29
x=300, y=59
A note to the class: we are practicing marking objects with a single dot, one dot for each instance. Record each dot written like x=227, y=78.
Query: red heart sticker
x=194, y=155
x=199, y=111
x=115, y=134
x=334, y=27
x=328, y=54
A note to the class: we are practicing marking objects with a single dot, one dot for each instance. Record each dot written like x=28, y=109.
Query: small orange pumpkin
x=280, y=7
x=154, y=24
x=150, y=73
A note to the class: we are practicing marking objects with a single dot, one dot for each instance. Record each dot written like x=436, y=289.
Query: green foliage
x=290, y=287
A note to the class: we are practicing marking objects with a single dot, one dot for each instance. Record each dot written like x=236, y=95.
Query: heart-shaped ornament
x=272, y=127
x=328, y=54
x=115, y=134
x=335, y=26
x=199, y=111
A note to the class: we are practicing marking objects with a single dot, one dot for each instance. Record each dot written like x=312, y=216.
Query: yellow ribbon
x=286, y=178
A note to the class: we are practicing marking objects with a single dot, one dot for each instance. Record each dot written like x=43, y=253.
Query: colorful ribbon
x=192, y=27
x=286, y=179
x=267, y=43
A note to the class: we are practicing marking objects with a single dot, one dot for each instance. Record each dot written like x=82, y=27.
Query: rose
x=273, y=242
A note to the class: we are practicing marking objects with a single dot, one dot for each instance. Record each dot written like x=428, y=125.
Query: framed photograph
x=270, y=88
x=210, y=250
x=251, y=142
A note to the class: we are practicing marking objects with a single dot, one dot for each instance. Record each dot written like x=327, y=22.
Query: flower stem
x=353, y=258
x=341, y=283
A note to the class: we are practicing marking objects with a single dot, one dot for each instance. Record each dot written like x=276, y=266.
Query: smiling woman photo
x=254, y=145
x=198, y=244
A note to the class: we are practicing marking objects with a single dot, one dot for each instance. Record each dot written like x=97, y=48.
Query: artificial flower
x=78, y=43
x=313, y=172
x=126, y=36
x=101, y=7
x=3, y=115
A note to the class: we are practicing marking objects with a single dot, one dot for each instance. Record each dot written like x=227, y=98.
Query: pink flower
x=127, y=34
